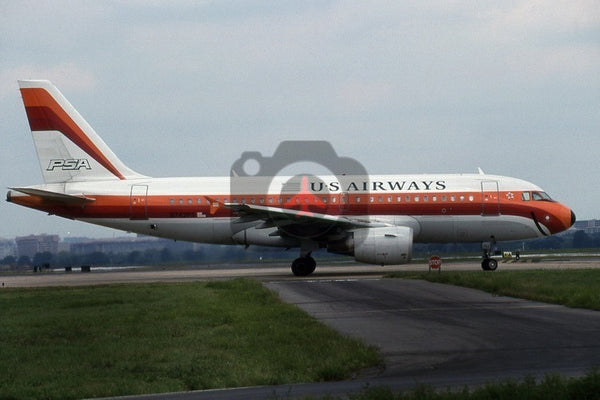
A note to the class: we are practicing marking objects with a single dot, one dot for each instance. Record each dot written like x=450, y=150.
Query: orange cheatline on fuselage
x=200, y=205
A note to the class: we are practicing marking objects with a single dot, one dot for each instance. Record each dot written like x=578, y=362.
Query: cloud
x=66, y=76
x=363, y=94
x=543, y=38
x=543, y=16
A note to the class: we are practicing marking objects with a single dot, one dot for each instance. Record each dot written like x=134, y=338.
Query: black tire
x=485, y=264
x=492, y=265
x=303, y=266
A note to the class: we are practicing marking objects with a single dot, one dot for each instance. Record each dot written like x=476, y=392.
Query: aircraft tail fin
x=68, y=148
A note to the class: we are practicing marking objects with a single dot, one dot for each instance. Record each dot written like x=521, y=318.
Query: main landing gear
x=488, y=263
x=304, y=266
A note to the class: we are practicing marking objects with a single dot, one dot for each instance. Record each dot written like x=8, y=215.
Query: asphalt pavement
x=427, y=330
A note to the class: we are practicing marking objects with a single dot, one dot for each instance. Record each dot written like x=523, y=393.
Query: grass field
x=551, y=387
x=153, y=338
x=573, y=288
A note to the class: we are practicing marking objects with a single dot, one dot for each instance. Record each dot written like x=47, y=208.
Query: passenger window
x=525, y=196
x=399, y=199
x=171, y=201
x=425, y=198
x=357, y=199
x=416, y=199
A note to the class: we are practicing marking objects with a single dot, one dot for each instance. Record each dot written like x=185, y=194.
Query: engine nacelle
x=383, y=246
x=262, y=237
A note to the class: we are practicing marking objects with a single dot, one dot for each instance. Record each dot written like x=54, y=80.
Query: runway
x=265, y=272
x=428, y=333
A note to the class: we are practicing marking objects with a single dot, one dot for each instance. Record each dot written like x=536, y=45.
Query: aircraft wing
x=297, y=222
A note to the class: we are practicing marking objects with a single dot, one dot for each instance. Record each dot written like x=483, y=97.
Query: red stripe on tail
x=45, y=114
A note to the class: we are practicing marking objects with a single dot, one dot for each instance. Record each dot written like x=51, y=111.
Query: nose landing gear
x=488, y=263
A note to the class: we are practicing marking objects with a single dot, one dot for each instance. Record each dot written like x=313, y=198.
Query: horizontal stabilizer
x=54, y=196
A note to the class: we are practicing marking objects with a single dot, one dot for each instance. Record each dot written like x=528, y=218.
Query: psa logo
x=71, y=164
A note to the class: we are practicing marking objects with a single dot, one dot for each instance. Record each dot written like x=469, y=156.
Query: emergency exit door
x=138, y=202
x=490, y=198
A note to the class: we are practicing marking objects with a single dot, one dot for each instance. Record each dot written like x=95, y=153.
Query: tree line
x=207, y=254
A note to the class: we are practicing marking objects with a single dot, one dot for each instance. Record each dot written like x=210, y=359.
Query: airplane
x=373, y=218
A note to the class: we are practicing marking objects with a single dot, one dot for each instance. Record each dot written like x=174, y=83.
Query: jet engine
x=383, y=246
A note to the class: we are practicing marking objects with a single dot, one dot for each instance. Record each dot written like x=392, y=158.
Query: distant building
x=32, y=244
x=126, y=245
x=64, y=246
x=7, y=248
x=588, y=226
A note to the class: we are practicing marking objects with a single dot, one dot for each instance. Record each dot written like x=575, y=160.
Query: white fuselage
x=439, y=208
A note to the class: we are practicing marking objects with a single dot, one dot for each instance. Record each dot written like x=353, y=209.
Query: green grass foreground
x=156, y=338
x=570, y=287
x=552, y=387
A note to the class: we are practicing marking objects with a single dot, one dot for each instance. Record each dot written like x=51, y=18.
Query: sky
x=183, y=88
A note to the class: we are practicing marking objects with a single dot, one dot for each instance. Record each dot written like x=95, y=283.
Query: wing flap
x=285, y=216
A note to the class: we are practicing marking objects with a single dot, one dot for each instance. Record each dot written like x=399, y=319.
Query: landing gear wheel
x=304, y=266
x=489, y=264
x=485, y=264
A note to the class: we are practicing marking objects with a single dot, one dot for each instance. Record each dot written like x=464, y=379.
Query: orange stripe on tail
x=45, y=114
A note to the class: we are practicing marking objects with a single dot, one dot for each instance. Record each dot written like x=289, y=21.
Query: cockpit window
x=540, y=196
x=526, y=196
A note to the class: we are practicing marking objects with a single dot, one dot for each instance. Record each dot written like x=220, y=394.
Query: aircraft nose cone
x=573, y=218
